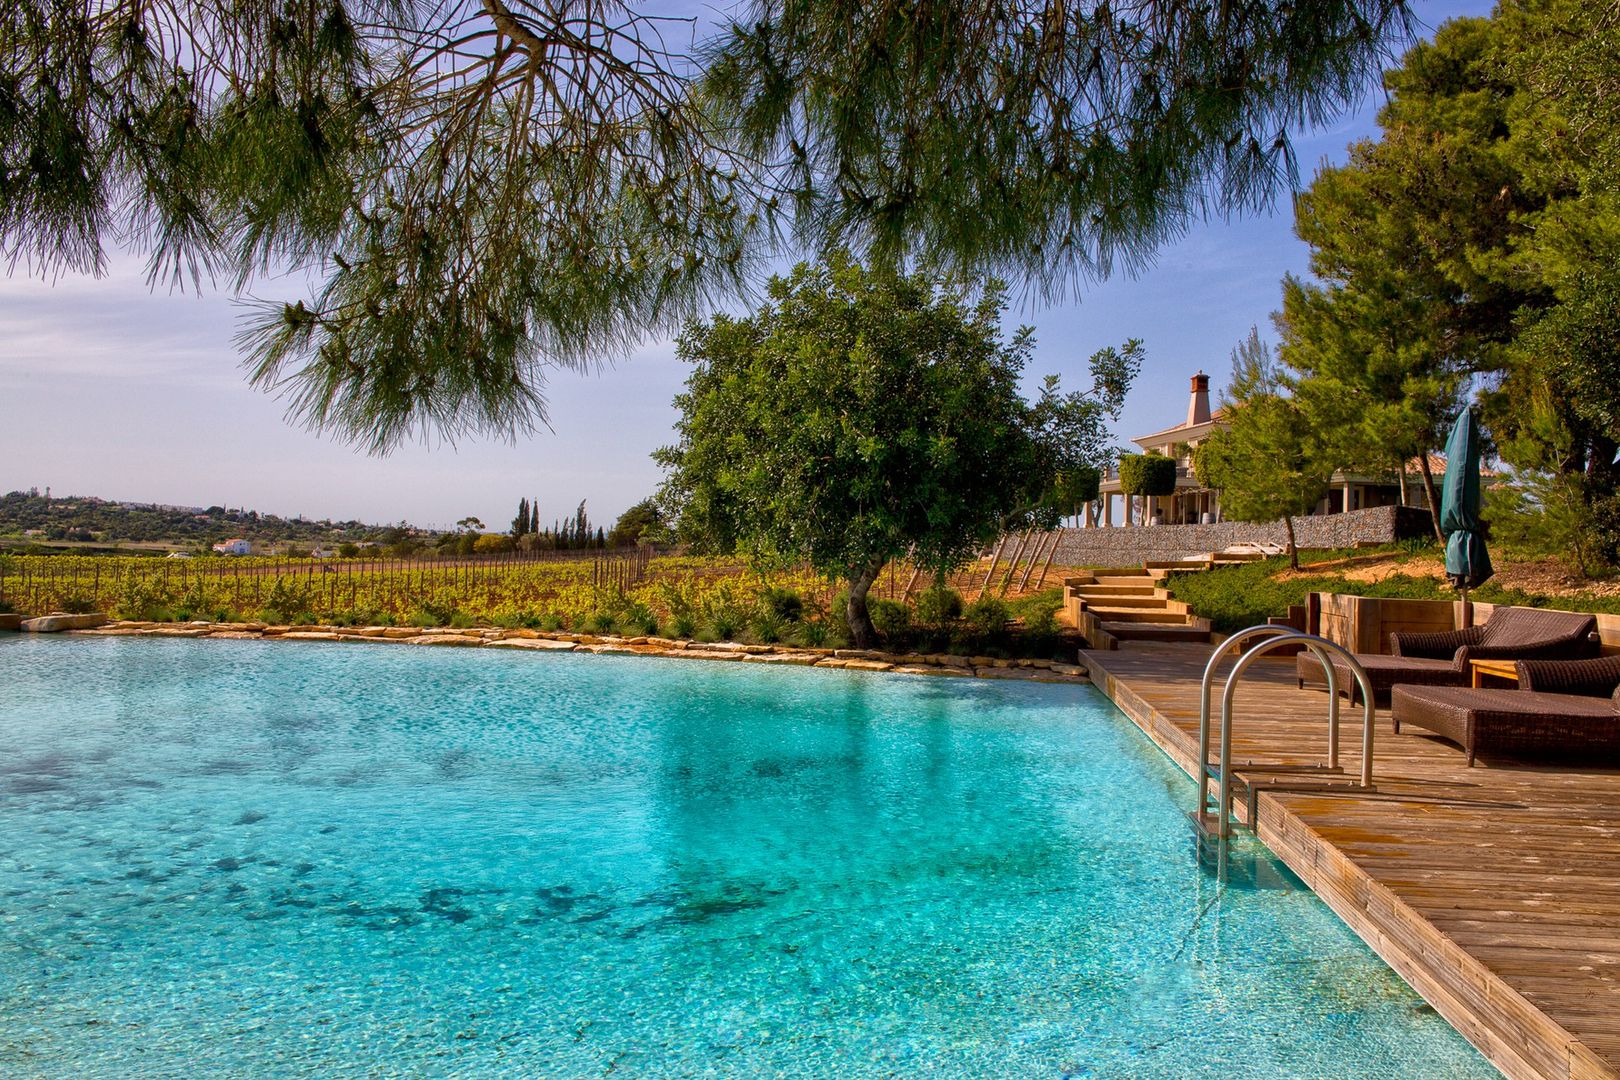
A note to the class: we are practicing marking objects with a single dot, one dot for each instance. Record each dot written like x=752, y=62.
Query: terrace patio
x=1494, y=891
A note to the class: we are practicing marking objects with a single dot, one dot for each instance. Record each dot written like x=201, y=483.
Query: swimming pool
x=248, y=858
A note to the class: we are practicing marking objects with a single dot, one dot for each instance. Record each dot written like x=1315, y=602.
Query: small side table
x=1494, y=669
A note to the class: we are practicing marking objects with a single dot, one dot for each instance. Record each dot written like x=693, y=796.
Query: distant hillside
x=29, y=516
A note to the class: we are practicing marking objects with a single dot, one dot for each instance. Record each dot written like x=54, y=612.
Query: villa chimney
x=1198, y=408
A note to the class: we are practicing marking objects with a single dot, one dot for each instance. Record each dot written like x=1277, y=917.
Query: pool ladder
x=1216, y=822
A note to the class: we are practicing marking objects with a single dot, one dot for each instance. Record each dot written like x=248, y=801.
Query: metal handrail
x=1320, y=648
x=1230, y=645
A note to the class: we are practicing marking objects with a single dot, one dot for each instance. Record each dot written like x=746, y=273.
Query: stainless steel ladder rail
x=1231, y=644
x=1279, y=636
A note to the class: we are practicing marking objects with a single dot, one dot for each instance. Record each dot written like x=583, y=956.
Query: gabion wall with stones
x=1131, y=546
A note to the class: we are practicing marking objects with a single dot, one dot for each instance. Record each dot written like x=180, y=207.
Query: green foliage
x=1233, y=597
x=108, y=523
x=1038, y=610
x=1077, y=486
x=1147, y=474
x=939, y=606
x=137, y=598
x=431, y=614
x=767, y=627
x=891, y=618
x=637, y=619
x=1477, y=238
x=783, y=603
x=600, y=621
x=859, y=417
x=641, y=521
x=987, y=616
x=1265, y=460
x=588, y=180
x=811, y=633
x=1047, y=140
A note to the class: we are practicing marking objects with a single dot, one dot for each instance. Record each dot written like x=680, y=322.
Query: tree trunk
x=1293, y=546
x=862, y=634
x=1428, y=492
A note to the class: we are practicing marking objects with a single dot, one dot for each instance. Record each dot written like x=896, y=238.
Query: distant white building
x=236, y=546
x=1193, y=503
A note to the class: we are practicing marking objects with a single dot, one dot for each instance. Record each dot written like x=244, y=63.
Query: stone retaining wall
x=1131, y=546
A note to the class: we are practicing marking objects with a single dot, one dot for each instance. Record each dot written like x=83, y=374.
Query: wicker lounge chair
x=1512, y=633
x=1563, y=708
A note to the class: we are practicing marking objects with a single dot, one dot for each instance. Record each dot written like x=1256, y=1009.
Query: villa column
x=1108, y=511
x=1349, y=497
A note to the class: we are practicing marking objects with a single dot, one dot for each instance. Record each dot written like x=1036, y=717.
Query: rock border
x=946, y=664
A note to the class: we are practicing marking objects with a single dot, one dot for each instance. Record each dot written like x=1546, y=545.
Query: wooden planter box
x=1363, y=623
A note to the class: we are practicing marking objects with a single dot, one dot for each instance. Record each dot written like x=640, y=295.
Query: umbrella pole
x=1467, y=610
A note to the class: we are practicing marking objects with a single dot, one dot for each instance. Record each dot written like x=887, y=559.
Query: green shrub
x=1147, y=474
x=891, y=618
x=364, y=616
x=724, y=621
x=425, y=616
x=599, y=621
x=939, y=606
x=6, y=608
x=681, y=625
x=638, y=620
x=767, y=626
x=292, y=602
x=550, y=622
x=811, y=633
x=785, y=604
x=78, y=605
x=138, y=600
x=987, y=616
x=1038, y=611
x=726, y=610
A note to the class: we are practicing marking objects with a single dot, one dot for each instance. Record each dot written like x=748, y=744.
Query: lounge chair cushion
x=1515, y=722
x=1511, y=633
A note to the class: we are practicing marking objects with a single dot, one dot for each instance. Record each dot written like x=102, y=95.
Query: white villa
x=1195, y=504
x=234, y=546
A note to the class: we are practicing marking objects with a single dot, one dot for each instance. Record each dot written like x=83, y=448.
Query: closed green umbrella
x=1468, y=564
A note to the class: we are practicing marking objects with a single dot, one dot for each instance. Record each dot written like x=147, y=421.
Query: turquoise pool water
x=255, y=859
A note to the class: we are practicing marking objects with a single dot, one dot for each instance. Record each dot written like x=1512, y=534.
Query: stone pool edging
x=935, y=664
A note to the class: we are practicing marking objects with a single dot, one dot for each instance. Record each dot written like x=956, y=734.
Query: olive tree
x=861, y=415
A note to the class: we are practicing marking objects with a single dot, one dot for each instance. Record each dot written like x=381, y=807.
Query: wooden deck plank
x=1494, y=891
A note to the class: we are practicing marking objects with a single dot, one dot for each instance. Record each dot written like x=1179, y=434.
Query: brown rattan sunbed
x=1567, y=709
x=1512, y=633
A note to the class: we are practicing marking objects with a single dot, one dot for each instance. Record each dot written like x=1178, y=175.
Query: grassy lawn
x=1233, y=597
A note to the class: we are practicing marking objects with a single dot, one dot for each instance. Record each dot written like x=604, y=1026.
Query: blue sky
x=109, y=389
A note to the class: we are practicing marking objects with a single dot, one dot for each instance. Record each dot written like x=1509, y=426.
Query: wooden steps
x=1128, y=604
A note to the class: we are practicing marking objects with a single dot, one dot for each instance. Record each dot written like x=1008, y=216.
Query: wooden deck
x=1494, y=891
